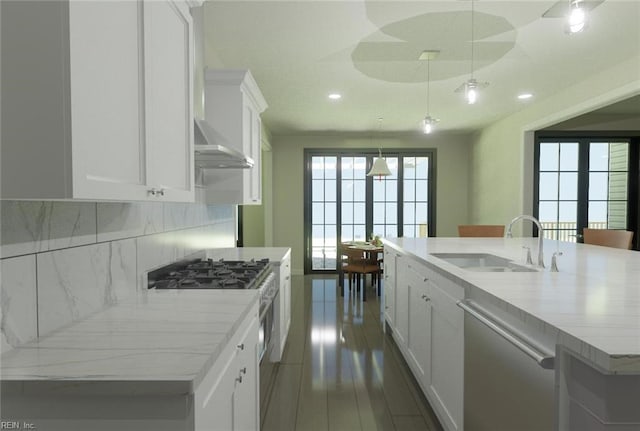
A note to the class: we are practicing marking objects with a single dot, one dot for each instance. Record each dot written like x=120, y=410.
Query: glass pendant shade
x=379, y=167
x=471, y=91
x=427, y=125
x=577, y=18
x=428, y=122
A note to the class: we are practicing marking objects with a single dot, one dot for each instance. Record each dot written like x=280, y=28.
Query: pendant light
x=577, y=20
x=471, y=86
x=379, y=167
x=429, y=122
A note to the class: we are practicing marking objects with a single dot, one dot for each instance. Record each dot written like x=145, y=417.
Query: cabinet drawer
x=448, y=287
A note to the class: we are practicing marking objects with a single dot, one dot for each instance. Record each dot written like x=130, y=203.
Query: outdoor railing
x=566, y=231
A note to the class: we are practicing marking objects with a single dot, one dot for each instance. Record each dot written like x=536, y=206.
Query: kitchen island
x=587, y=315
x=154, y=361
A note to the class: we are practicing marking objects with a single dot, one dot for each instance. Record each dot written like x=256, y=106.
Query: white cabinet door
x=168, y=54
x=430, y=333
x=255, y=152
x=419, y=333
x=285, y=301
x=389, y=288
x=246, y=411
x=113, y=120
x=446, y=361
x=227, y=398
x=233, y=104
x=214, y=406
x=282, y=306
x=402, y=303
x=106, y=100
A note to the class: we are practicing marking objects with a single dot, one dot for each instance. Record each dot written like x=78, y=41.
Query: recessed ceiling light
x=525, y=96
x=335, y=96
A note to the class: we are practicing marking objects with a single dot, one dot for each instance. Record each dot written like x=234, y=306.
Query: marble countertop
x=162, y=342
x=594, y=299
x=158, y=342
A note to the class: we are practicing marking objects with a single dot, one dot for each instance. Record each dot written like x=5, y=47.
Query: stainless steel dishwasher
x=508, y=377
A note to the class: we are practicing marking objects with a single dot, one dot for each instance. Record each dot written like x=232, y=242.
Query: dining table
x=371, y=250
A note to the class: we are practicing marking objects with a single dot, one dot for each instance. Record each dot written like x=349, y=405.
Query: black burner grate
x=209, y=274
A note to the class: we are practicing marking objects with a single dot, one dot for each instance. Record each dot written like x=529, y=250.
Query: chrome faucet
x=554, y=261
x=540, y=234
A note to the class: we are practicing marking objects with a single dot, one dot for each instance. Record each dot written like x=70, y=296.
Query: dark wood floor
x=340, y=371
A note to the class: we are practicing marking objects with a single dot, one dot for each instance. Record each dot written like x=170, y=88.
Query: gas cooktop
x=210, y=274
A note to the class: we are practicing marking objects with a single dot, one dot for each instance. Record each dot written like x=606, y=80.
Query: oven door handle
x=545, y=359
x=266, y=310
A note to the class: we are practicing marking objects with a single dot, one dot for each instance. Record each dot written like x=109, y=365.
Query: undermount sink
x=482, y=262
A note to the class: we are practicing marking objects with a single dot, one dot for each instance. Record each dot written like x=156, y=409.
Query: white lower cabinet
x=282, y=306
x=285, y=302
x=430, y=333
x=401, y=329
x=227, y=398
x=445, y=386
x=419, y=336
x=389, y=288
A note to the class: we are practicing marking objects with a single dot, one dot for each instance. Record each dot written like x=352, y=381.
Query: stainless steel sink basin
x=482, y=262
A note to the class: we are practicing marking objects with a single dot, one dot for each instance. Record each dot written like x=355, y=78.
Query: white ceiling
x=300, y=51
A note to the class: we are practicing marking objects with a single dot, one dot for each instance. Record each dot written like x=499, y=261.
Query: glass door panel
x=415, y=196
x=353, y=200
x=385, y=202
x=558, y=190
x=323, y=212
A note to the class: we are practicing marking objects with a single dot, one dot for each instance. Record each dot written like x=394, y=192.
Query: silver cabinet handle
x=154, y=192
x=240, y=346
x=426, y=279
x=239, y=379
x=243, y=370
x=513, y=336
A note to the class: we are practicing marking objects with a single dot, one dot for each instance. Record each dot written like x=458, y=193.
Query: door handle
x=512, y=335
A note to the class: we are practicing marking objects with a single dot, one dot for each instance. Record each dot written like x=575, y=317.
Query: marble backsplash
x=62, y=261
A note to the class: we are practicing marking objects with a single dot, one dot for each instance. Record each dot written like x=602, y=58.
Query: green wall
x=501, y=173
x=452, y=156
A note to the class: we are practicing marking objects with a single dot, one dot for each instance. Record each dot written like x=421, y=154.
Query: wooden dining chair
x=481, y=230
x=608, y=237
x=357, y=264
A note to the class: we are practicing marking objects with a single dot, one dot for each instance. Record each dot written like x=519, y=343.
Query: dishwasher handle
x=545, y=360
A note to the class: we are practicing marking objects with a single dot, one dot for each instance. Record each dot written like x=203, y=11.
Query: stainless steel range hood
x=213, y=150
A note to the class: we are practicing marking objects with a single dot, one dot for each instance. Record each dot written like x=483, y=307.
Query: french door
x=343, y=204
x=586, y=182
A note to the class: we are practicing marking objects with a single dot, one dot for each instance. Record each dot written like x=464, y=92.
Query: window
x=343, y=204
x=586, y=182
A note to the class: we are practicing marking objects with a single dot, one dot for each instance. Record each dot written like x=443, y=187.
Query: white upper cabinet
x=97, y=101
x=233, y=104
x=168, y=54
